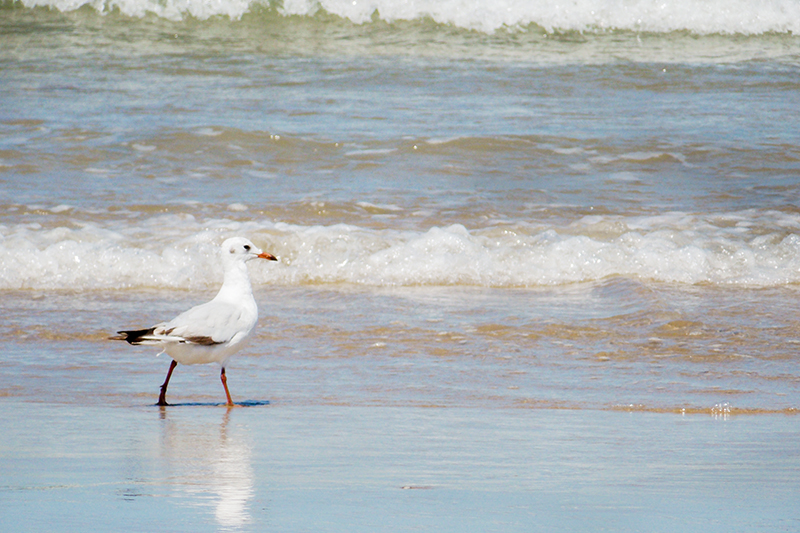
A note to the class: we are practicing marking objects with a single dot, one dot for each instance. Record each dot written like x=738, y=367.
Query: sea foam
x=747, y=249
x=708, y=17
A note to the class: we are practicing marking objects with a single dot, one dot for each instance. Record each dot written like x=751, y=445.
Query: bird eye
x=247, y=247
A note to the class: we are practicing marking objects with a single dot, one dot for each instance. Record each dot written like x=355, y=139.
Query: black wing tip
x=132, y=336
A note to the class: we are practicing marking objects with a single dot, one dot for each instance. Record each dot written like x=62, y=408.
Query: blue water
x=114, y=122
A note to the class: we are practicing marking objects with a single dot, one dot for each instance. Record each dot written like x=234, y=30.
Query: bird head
x=239, y=248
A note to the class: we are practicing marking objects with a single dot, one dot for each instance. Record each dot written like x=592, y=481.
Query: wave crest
x=738, y=249
x=748, y=17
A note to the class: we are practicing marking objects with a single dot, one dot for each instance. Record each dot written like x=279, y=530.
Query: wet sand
x=70, y=467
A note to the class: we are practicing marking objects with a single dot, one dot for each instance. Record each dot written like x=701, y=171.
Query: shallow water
x=338, y=468
x=612, y=345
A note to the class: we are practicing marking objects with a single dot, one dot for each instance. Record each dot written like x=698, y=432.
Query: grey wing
x=210, y=323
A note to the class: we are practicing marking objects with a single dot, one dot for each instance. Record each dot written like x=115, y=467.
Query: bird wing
x=210, y=323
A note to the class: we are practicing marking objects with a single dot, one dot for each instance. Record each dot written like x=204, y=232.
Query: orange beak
x=268, y=257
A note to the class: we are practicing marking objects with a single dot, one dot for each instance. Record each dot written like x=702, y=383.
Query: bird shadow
x=245, y=403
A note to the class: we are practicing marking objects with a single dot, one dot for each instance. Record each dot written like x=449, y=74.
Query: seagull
x=214, y=331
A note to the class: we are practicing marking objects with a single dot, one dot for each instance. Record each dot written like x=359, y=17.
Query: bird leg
x=162, y=398
x=224, y=380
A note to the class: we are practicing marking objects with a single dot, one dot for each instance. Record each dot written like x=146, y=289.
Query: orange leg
x=224, y=380
x=162, y=398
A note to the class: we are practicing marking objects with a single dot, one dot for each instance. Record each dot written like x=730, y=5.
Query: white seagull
x=214, y=331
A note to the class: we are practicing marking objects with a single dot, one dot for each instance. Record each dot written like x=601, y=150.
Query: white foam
x=375, y=208
x=208, y=132
x=710, y=16
x=707, y=17
x=750, y=249
x=143, y=147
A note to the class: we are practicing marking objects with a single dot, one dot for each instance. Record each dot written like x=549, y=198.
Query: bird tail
x=136, y=337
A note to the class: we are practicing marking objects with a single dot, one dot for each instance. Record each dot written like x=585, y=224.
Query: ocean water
x=495, y=211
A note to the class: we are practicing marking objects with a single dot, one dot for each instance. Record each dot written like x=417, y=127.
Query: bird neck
x=236, y=283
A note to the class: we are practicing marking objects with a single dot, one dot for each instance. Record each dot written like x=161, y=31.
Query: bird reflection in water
x=209, y=464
